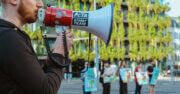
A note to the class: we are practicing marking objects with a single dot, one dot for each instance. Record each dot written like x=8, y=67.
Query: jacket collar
x=7, y=24
x=4, y=23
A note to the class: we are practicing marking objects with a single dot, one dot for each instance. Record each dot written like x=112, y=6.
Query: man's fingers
x=69, y=35
x=70, y=41
x=67, y=31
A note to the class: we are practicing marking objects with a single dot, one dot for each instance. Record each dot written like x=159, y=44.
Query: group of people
x=123, y=85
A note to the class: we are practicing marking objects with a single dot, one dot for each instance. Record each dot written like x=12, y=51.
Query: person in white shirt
x=106, y=71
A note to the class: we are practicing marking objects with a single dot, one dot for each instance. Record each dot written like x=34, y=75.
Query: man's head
x=152, y=62
x=26, y=10
x=139, y=64
x=106, y=64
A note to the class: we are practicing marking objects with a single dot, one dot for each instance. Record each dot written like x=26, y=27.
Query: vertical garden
x=146, y=35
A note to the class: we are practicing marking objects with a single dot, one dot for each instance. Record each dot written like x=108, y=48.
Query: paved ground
x=164, y=86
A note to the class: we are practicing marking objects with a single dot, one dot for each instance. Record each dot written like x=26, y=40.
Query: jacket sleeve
x=22, y=66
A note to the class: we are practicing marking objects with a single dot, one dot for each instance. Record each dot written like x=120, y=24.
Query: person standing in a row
x=150, y=73
x=105, y=72
x=83, y=75
x=138, y=87
x=123, y=86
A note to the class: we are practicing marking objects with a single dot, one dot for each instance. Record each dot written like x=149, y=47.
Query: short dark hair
x=139, y=63
x=151, y=60
x=106, y=61
x=122, y=62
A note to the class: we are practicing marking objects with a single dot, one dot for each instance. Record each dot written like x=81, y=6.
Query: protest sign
x=125, y=74
x=155, y=75
x=90, y=81
x=142, y=78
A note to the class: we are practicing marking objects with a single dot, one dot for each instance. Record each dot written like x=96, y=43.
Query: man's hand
x=102, y=75
x=84, y=75
x=150, y=73
x=59, y=46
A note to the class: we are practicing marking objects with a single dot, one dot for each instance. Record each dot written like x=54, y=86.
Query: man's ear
x=14, y=2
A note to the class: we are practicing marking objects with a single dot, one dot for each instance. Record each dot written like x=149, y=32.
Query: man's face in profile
x=28, y=10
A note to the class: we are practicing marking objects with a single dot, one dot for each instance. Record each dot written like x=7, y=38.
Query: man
x=150, y=73
x=20, y=72
x=106, y=72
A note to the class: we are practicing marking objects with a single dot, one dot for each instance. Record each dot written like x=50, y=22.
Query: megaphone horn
x=98, y=22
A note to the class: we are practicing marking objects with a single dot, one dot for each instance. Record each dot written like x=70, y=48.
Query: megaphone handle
x=52, y=56
x=53, y=59
x=65, y=47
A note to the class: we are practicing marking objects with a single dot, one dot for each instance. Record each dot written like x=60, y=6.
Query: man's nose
x=40, y=4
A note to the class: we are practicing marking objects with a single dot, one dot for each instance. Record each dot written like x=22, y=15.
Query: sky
x=175, y=8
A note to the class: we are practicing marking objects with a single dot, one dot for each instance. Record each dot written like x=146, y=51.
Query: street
x=164, y=86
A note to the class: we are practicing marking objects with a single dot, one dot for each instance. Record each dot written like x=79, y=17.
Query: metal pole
x=96, y=51
x=173, y=58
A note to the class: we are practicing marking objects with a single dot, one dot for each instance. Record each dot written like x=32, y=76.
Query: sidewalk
x=164, y=86
x=169, y=78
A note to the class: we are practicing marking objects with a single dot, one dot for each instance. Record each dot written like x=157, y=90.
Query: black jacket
x=20, y=71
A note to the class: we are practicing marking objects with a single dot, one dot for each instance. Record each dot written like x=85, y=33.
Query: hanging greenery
x=148, y=35
x=149, y=29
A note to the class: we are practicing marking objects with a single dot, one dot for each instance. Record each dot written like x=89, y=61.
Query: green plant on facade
x=148, y=34
x=144, y=40
x=148, y=31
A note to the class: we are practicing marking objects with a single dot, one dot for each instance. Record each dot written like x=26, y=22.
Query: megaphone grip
x=65, y=47
x=53, y=56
